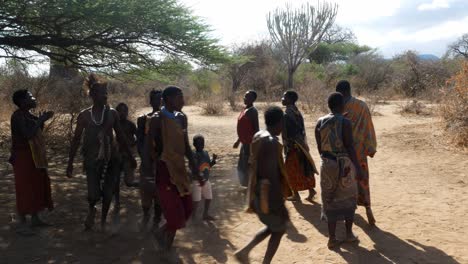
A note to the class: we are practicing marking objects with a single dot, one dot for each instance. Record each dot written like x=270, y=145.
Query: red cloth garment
x=294, y=164
x=177, y=209
x=245, y=129
x=33, y=193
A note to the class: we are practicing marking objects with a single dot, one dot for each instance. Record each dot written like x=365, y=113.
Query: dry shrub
x=414, y=107
x=313, y=97
x=454, y=107
x=213, y=105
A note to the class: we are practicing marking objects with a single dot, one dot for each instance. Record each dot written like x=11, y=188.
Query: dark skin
x=28, y=130
x=199, y=145
x=130, y=130
x=99, y=98
x=155, y=102
x=265, y=170
x=286, y=101
x=249, y=99
x=348, y=144
x=173, y=104
x=26, y=105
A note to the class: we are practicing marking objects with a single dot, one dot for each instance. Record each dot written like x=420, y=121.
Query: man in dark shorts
x=168, y=131
x=101, y=161
x=147, y=187
x=268, y=186
x=247, y=126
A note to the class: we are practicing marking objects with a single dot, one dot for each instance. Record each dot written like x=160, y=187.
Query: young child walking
x=129, y=131
x=268, y=187
x=201, y=184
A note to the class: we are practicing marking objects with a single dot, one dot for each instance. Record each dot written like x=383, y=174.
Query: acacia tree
x=460, y=47
x=295, y=33
x=237, y=70
x=109, y=35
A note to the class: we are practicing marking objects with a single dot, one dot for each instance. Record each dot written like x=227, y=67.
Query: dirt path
x=419, y=195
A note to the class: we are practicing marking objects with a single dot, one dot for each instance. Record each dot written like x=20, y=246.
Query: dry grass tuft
x=414, y=107
x=213, y=106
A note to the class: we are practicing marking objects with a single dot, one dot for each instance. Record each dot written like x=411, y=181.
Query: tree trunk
x=232, y=96
x=290, y=79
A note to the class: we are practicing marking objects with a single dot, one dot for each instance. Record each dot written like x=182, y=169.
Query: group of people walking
x=272, y=171
x=344, y=138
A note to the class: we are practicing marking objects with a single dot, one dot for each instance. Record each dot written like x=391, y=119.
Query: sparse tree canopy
x=111, y=34
x=338, y=34
x=460, y=47
x=297, y=32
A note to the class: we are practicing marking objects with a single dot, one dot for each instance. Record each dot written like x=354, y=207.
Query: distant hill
x=428, y=57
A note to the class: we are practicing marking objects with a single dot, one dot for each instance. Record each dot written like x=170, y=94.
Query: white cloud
x=436, y=4
x=241, y=21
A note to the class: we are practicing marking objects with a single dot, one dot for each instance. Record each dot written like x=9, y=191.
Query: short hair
x=273, y=115
x=19, y=95
x=120, y=105
x=291, y=95
x=155, y=93
x=170, y=91
x=254, y=94
x=198, y=137
x=344, y=87
x=335, y=100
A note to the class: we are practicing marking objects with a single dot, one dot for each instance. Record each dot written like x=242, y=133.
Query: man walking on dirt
x=365, y=142
x=168, y=131
x=100, y=158
x=147, y=186
x=268, y=186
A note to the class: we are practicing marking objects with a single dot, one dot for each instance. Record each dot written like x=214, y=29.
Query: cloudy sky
x=392, y=26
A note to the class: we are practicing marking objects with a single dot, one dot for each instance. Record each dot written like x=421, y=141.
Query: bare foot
x=242, y=257
x=333, y=243
x=89, y=222
x=208, y=218
x=350, y=238
x=37, y=222
x=370, y=216
x=310, y=199
x=159, y=241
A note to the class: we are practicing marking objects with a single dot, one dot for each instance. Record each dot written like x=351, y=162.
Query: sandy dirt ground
x=419, y=193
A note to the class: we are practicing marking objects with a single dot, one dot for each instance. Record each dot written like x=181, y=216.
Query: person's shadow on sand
x=388, y=248
x=207, y=239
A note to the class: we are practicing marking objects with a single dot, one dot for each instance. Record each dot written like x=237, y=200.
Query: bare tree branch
x=297, y=32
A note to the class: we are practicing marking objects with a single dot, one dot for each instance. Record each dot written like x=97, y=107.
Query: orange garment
x=365, y=142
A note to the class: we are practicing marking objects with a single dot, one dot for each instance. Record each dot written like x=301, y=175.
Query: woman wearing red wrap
x=247, y=126
x=28, y=157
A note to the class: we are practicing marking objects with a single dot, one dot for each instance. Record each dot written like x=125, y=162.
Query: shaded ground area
x=419, y=191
